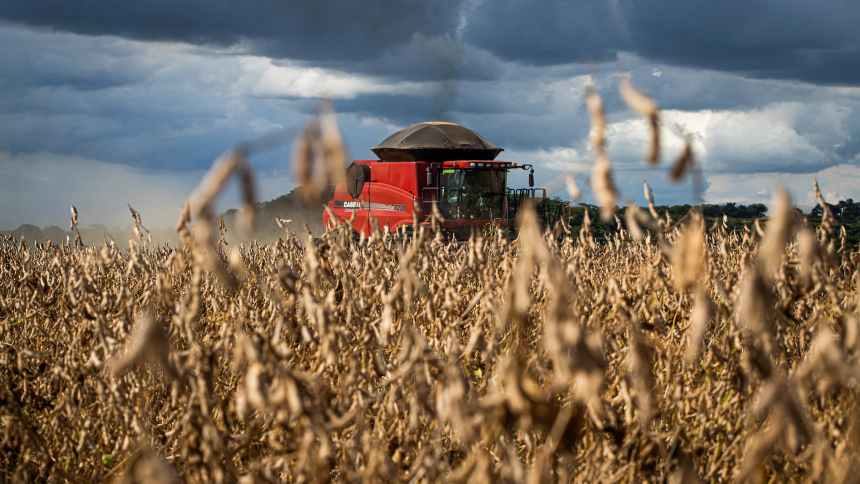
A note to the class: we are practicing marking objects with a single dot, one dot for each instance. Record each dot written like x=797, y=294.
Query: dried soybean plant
x=646, y=107
x=649, y=110
x=73, y=226
x=602, y=183
x=672, y=349
x=319, y=156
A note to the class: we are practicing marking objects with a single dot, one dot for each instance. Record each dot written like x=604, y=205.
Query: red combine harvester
x=426, y=163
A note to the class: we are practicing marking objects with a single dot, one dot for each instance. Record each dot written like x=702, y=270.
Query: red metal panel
x=388, y=197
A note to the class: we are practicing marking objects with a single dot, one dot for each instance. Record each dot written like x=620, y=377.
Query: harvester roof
x=435, y=141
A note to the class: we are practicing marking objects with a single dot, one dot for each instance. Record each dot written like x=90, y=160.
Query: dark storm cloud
x=40, y=62
x=307, y=30
x=796, y=39
x=412, y=39
x=784, y=39
x=547, y=32
x=416, y=39
x=442, y=57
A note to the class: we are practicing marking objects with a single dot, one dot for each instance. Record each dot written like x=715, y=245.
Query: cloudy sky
x=103, y=103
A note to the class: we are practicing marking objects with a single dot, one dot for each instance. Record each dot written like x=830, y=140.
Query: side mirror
x=531, y=178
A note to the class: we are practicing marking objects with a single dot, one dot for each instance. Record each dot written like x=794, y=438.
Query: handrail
x=530, y=192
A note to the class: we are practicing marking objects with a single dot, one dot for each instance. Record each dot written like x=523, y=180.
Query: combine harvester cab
x=426, y=163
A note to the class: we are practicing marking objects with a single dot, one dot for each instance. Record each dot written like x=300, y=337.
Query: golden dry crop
x=685, y=353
